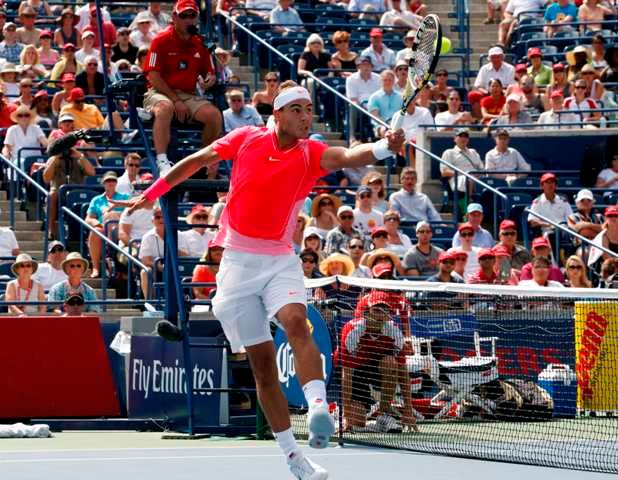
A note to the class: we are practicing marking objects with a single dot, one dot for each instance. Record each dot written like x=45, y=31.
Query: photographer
x=65, y=165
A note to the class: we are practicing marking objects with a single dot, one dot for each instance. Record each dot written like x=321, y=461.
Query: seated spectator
x=560, y=14
x=285, y=18
x=441, y=90
x=412, y=206
x=424, y=99
x=25, y=134
x=481, y=238
x=134, y=226
x=240, y=114
x=384, y=102
x=462, y=157
x=172, y=93
x=521, y=70
x=505, y=158
x=28, y=34
x=382, y=57
x=513, y=114
x=75, y=267
x=8, y=75
x=353, y=175
x=493, y=104
x=608, y=177
x=400, y=18
x=224, y=72
x=6, y=108
x=263, y=99
x=260, y=7
x=356, y=250
x=540, y=73
x=510, y=15
x=51, y=272
x=142, y=34
x=585, y=220
x=415, y=121
x=87, y=49
x=24, y=287
x=597, y=56
x=41, y=109
x=446, y=269
x=313, y=57
x=559, y=81
x=401, y=76
x=67, y=31
x=503, y=267
x=299, y=230
x=365, y=216
x=338, y=238
x=609, y=269
x=140, y=61
x=91, y=81
x=66, y=64
x=495, y=68
x=422, y=258
x=132, y=164
x=358, y=88
x=454, y=115
x=66, y=124
x=338, y=264
x=86, y=115
x=596, y=90
x=195, y=241
x=576, y=273
x=610, y=73
x=541, y=248
x=485, y=273
x=508, y=240
x=366, y=6
x=59, y=100
x=313, y=240
x=100, y=211
x=553, y=118
x=531, y=101
x=159, y=19
x=577, y=59
x=30, y=63
x=73, y=305
x=109, y=30
x=398, y=242
x=124, y=49
x=309, y=260
x=405, y=53
x=550, y=205
x=366, y=367
x=590, y=11
x=324, y=213
x=381, y=255
x=207, y=273
x=55, y=173
x=10, y=47
x=375, y=181
x=25, y=93
x=540, y=274
x=343, y=58
x=466, y=233
x=608, y=237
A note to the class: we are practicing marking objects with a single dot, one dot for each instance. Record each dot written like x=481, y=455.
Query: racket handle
x=398, y=122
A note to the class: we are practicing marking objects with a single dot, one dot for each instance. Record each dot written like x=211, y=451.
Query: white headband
x=289, y=95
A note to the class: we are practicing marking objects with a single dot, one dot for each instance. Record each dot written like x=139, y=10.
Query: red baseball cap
x=540, y=242
x=376, y=230
x=377, y=297
x=465, y=226
x=381, y=268
x=521, y=67
x=508, y=225
x=444, y=256
x=556, y=94
x=501, y=251
x=458, y=252
x=558, y=67
x=611, y=211
x=534, y=52
x=67, y=46
x=41, y=94
x=376, y=32
x=547, y=176
x=485, y=253
x=213, y=244
x=67, y=77
x=199, y=208
x=147, y=177
x=76, y=94
x=45, y=34
x=184, y=5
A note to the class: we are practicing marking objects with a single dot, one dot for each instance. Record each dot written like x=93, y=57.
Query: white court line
x=179, y=457
x=121, y=449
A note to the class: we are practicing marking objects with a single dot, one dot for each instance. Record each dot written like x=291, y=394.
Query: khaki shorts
x=193, y=102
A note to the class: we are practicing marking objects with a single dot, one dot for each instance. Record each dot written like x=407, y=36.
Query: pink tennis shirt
x=267, y=189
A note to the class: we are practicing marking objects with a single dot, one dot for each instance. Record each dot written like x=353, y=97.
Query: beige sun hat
x=74, y=256
x=24, y=258
x=347, y=262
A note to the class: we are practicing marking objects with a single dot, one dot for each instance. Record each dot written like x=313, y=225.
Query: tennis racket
x=425, y=55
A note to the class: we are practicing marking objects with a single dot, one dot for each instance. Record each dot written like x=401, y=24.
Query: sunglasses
x=198, y=217
x=401, y=68
x=461, y=259
x=124, y=34
x=57, y=250
x=308, y=260
x=544, y=267
x=365, y=195
x=134, y=165
x=448, y=262
x=338, y=42
x=424, y=231
x=75, y=265
x=356, y=247
x=380, y=235
x=271, y=80
x=23, y=115
x=185, y=16
x=325, y=203
x=347, y=217
x=508, y=234
x=24, y=265
x=581, y=87
x=574, y=267
x=465, y=235
x=69, y=50
x=441, y=75
x=391, y=219
x=453, y=99
x=93, y=64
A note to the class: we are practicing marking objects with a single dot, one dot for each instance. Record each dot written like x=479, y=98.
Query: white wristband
x=380, y=150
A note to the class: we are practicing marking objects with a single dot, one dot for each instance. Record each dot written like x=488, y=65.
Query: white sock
x=286, y=442
x=162, y=157
x=315, y=390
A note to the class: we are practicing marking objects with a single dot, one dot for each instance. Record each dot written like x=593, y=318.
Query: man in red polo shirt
x=485, y=273
x=109, y=30
x=176, y=60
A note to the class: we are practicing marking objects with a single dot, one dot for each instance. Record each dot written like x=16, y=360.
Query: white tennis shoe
x=321, y=424
x=304, y=469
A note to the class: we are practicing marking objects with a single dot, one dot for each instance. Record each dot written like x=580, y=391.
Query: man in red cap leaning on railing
x=176, y=61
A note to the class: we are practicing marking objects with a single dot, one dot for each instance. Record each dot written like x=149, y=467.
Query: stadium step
x=30, y=245
x=28, y=235
x=19, y=216
x=21, y=226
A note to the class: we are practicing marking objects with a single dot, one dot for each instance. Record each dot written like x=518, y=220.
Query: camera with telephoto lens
x=63, y=145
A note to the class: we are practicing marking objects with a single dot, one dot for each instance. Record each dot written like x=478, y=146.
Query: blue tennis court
x=130, y=455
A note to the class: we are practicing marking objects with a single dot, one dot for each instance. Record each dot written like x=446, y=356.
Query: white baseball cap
x=495, y=51
x=513, y=97
x=344, y=208
x=584, y=194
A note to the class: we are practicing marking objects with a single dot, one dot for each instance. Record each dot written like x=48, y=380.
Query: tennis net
x=489, y=372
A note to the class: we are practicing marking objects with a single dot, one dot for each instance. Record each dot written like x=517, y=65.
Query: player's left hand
x=395, y=139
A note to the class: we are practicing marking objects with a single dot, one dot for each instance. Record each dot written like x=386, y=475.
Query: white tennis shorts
x=251, y=289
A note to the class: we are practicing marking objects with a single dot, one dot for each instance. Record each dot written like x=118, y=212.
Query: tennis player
x=260, y=278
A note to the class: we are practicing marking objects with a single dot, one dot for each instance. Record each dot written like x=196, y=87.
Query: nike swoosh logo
x=273, y=159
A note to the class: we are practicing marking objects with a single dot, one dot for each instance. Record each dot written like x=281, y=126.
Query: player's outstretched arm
x=336, y=158
x=177, y=174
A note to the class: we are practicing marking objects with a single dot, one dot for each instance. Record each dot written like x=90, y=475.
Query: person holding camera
x=65, y=166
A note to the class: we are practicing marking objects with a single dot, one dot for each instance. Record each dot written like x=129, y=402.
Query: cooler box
x=561, y=383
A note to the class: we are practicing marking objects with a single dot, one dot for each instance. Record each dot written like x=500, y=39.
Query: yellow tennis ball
x=446, y=46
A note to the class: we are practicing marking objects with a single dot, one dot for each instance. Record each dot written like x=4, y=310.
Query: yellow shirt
x=89, y=117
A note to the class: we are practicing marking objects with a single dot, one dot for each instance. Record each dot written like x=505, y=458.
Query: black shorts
x=363, y=378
